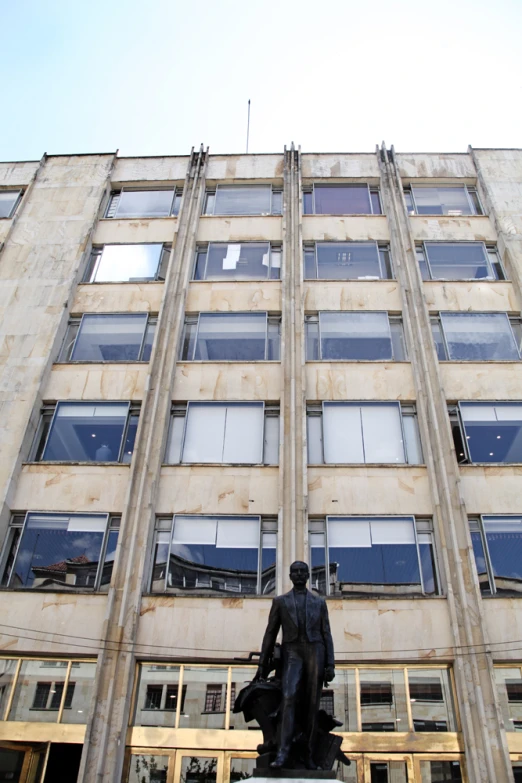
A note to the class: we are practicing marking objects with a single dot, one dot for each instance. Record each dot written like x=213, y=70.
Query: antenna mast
x=248, y=124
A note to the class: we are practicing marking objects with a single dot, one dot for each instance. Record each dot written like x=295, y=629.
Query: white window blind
x=218, y=432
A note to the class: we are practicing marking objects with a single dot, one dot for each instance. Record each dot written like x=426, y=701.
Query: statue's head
x=299, y=573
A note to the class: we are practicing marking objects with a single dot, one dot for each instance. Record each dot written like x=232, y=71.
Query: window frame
x=476, y=525
x=164, y=524
x=488, y=250
x=96, y=254
x=371, y=188
x=12, y=546
x=212, y=191
x=405, y=409
x=393, y=319
x=182, y=410
x=190, y=318
x=177, y=193
x=19, y=193
x=437, y=322
x=309, y=247
x=133, y=408
x=421, y=525
x=67, y=349
x=274, y=248
x=467, y=188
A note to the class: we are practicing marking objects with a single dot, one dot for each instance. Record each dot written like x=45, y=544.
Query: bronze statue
x=296, y=733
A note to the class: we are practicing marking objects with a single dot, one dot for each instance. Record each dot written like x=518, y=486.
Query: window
x=9, y=200
x=153, y=697
x=238, y=261
x=459, y=261
x=347, y=261
x=135, y=203
x=213, y=698
x=373, y=556
x=224, y=432
x=232, y=337
x=127, y=264
x=487, y=432
x=476, y=337
x=87, y=432
x=243, y=200
x=214, y=555
x=452, y=200
x=341, y=200
x=327, y=702
x=124, y=337
x=60, y=551
x=163, y=696
x=369, y=432
x=497, y=545
x=354, y=336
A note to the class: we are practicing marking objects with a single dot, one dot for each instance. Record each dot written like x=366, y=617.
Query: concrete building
x=179, y=336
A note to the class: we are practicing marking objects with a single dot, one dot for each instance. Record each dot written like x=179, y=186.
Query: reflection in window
x=509, y=689
x=238, y=261
x=341, y=200
x=161, y=202
x=241, y=768
x=475, y=337
x=127, y=264
x=232, y=337
x=148, y=768
x=372, y=556
x=493, y=432
x=459, y=261
x=224, y=432
x=347, y=261
x=383, y=700
x=109, y=338
x=452, y=200
x=350, y=433
x=215, y=555
x=198, y=679
x=198, y=769
x=440, y=772
x=243, y=200
x=62, y=552
x=497, y=545
x=157, y=696
x=9, y=200
x=431, y=700
x=354, y=336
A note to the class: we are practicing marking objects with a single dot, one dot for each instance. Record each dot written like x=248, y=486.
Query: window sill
x=350, y=280
x=116, y=219
x=101, y=361
x=358, y=361
x=59, y=462
x=342, y=214
x=201, y=594
x=228, y=361
x=381, y=597
x=255, y=215
x=65, y=590
x=451, y=217
x=366, y=465
x=465, y=280
x=480, y=361
x=236, y=282
x=197, y=464
x=495, y=465
x=121, y=282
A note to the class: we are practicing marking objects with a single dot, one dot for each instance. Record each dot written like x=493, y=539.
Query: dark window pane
x=312, y=340
x=243, y=200
x=440, y=771
x=476, y=337
x=308, y=208
x=130, y=438
x=342, y=200
x=148, y=342
x=438, y=340
x=504, y=542
x=427, y=558
x=153, y=697
x=386, y=268
x=189, y=341
x=458, y=261
x=480, y=562
x=376, y=202
x=41, y=695
x=86, y=432
x=59, y=551
x=8, y=201
x=108, y=562
x=277, y=203
x=493, y=432
x=317, y=563
x=398, y=341
x=268, y=563
x=310, y=270
x=68, y=343
x=109, y=338
x=348, y=261
x=231, y=337
x=376, y=693
x=201, y=262
x=409, y=202
x=355, y=336
x=421, y=258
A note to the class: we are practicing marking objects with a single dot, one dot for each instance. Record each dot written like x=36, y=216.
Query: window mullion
x=362, y=434
x=124, y=434
x=489, y=564
x=15, y=555
x=418, y=559
x=167, y=567
x=319, y=339
x=143, y=338
x=225, y=434
x=103, y=552
x=180, y=694
x=64, y=693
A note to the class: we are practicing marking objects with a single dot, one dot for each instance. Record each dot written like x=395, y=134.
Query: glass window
x=237, y=337
x=79, y=692
x=8, y=202
x=241, y=768
x=243, y=200
x=497, y=544
x=440, y=772
x=459, y=261
x=354, y=433
x=144, y=203
x=157, y=696
x=235, y=261
x=343, y=200
x=476, y=337
x=111, y=338
x=354, y=336
x=509, y=689
x=198, y=769
x=148, y=768
x=125, y=263
x=64, y=551
x=89, y=432
x=344, y=694
x=374, y=554
x=430, y=699
x=493, y=431
x=347, y=261
x=197, y=679
x=39, y=690
x=7, y=673
x=214, y=555
x=443, y=200
x=221, y=432
x=383, y=700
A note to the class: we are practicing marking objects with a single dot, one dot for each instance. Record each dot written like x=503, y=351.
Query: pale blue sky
x=158, y=77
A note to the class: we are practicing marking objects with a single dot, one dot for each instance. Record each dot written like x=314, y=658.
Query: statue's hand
x=261, y=673
x=329, y=673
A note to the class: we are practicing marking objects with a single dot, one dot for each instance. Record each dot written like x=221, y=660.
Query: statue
x=296, y=733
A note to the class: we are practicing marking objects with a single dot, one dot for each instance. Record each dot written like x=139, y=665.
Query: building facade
x=178, y=337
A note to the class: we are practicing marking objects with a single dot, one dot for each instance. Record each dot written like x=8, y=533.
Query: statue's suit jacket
x=283, y=614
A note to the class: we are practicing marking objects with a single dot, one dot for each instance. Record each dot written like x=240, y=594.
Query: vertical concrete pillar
x=485, y=743
x=104, y=748
x=293, y=489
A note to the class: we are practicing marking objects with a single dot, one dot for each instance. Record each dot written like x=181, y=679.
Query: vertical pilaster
x=104, y=747
x=485, y=743
x=293, y=490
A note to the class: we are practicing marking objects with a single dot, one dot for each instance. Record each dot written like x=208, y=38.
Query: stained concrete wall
x=228, y=296
x=228, y=381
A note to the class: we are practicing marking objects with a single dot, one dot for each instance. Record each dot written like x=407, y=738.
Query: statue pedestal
x=268, y=775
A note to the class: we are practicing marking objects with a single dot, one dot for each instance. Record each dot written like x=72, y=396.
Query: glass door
x=21, y=763
x=198, y=766
x=381, y=768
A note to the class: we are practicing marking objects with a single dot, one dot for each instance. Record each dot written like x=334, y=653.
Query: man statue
x=307, y=661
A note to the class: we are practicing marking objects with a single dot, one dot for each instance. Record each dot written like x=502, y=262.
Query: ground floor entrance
x=48, y=762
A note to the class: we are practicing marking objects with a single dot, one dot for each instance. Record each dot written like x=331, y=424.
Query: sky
x=159, y=77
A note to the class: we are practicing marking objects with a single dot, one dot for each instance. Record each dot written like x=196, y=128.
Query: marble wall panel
x=474, y=228
x=491, y=489
x=229, y=296
x=496, y=296
x=482, y=380
x=118, y=298
x=332, y=228
x=240, y=229
x=359, y=381
x=352, y=295
x=96, y=382
x=53, y=487
x=227, y=381
x=133, y=231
